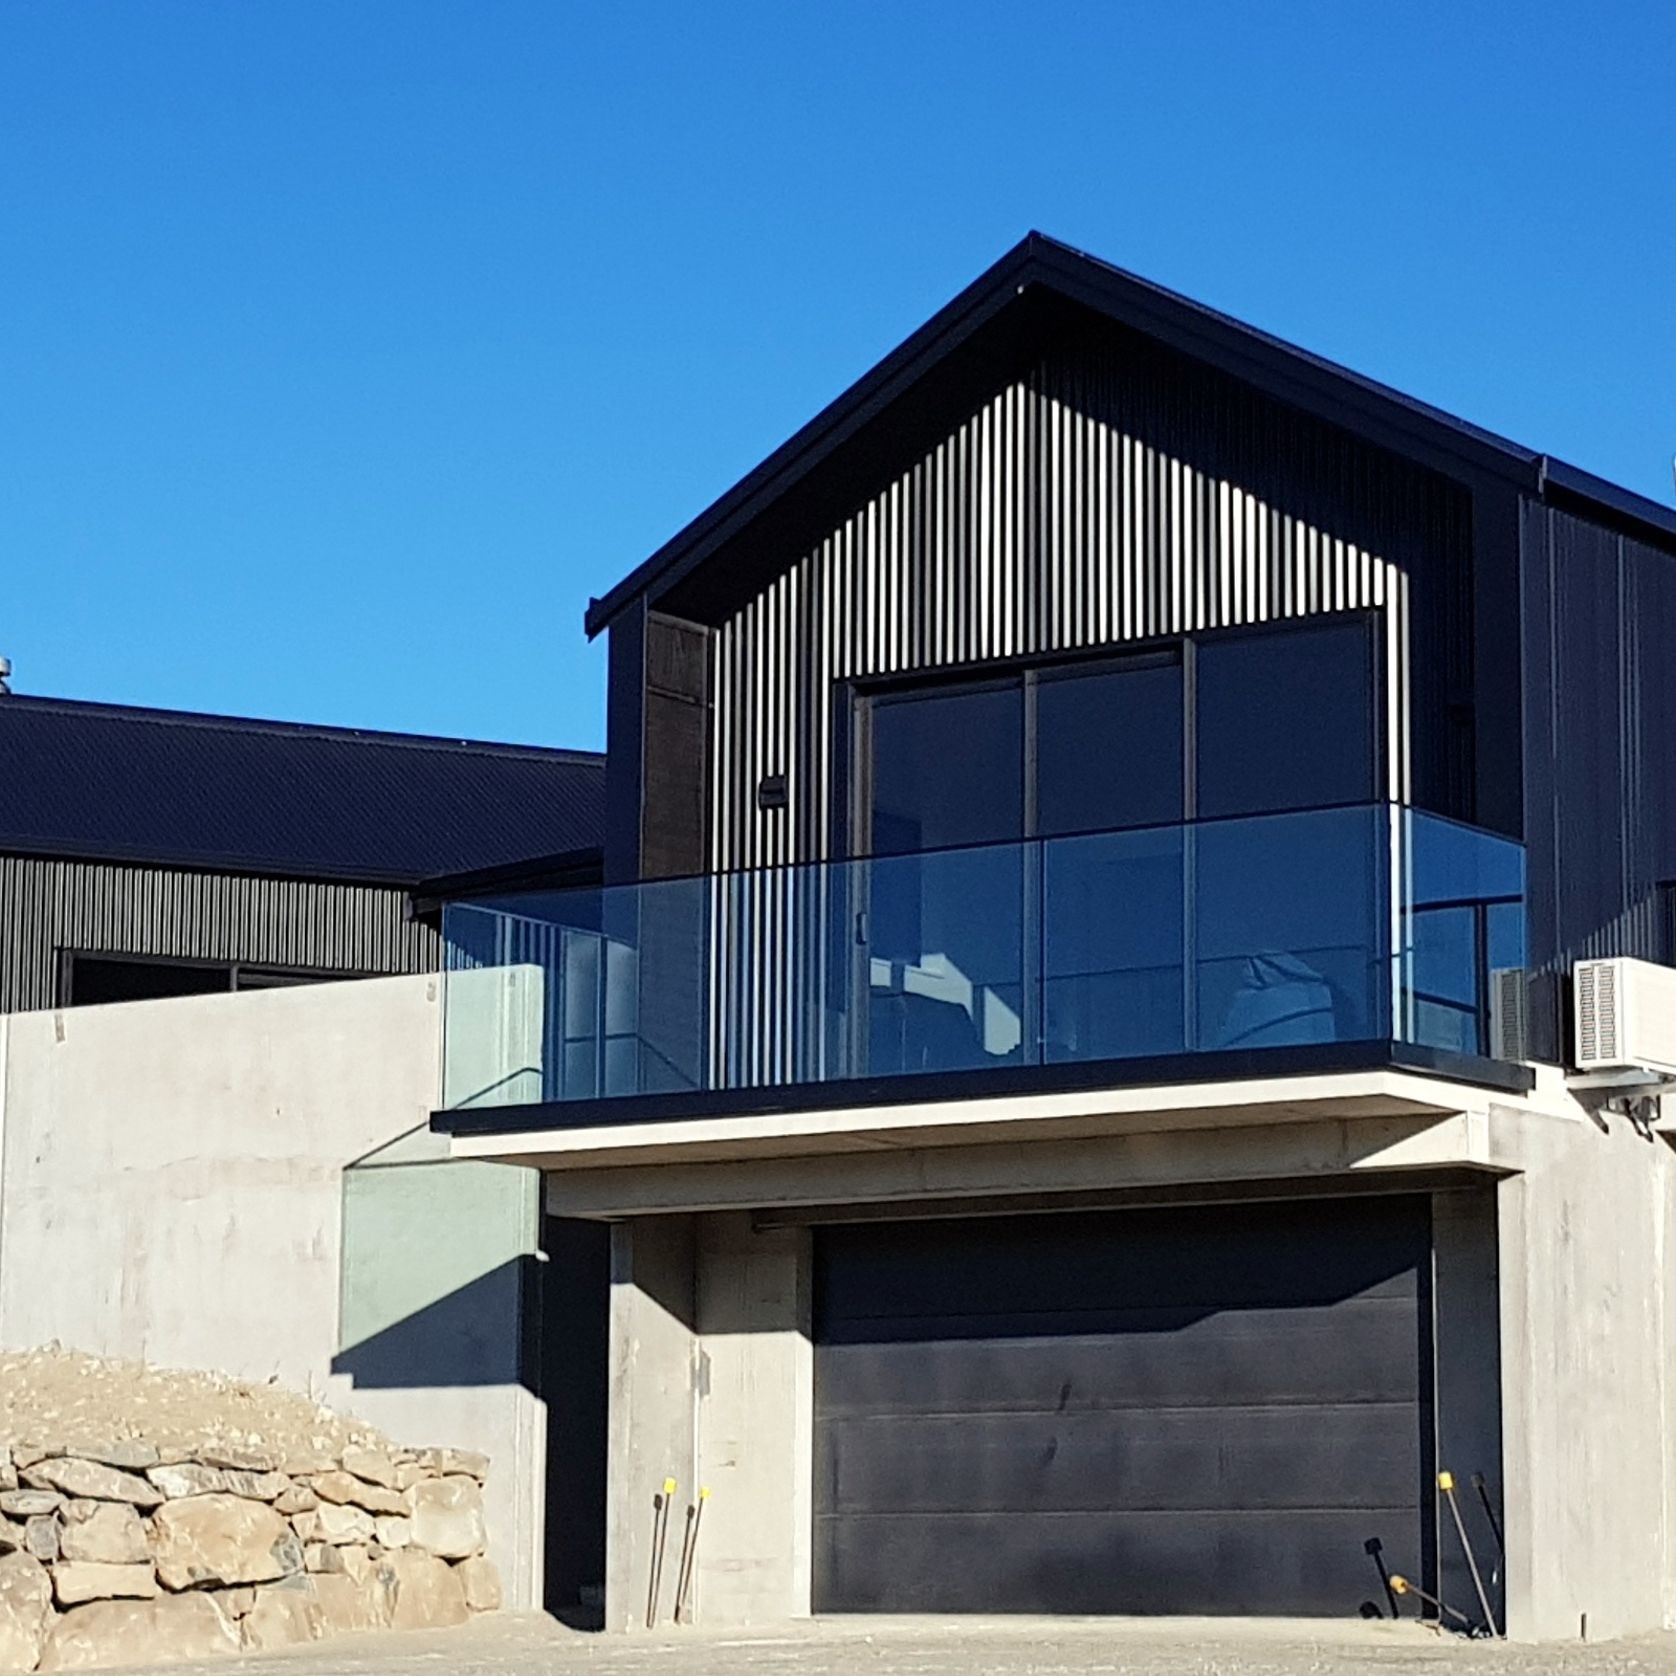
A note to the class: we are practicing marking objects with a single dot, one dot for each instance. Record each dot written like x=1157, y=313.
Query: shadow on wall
x=474, y=1335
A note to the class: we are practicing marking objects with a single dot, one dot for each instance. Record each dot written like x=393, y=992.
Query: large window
x=1157, y=919
x=1241, y=723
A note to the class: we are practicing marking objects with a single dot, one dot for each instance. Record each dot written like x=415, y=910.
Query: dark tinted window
x=1285, y=720
x=1108, y=748
x=948, y=769
x=95, y=982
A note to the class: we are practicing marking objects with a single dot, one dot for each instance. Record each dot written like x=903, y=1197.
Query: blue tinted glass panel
x=1287, y=935
x=1111, y=937
x=1285, y=720
x=947, y=769
x=1108, y=748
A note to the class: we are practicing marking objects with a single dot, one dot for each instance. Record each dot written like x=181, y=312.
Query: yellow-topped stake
x=1446, y=1481
x=1399, y=1584
x=669, y=1486
x=703, y=1495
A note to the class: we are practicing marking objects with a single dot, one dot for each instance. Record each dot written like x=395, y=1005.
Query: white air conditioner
x=1625, y=1016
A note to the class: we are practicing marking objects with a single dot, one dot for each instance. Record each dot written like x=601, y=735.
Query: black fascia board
x=187, y=861
x=929, y=1088
x=1376, y=411
x=1571, y=489
x=568, y=869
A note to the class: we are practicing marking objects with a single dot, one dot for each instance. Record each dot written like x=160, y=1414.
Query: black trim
x=567, y=870
x=1005, y=1081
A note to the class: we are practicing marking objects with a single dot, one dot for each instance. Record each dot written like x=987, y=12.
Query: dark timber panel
x=1600, y=717
x=1185, y=1410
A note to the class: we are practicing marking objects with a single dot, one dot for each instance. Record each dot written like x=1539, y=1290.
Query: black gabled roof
x=1039, y=266
x=111, y=783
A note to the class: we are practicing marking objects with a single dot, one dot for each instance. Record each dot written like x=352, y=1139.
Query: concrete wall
x=712, y=1384
x=1586, y=1337
x=173, y=1189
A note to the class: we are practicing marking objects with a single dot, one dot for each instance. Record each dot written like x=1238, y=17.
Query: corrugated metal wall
x=1063, y=515
x=1600, y=744
x=49, y=905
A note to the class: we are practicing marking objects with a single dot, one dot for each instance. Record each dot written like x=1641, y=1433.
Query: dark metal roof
x=111, y=783
x=1038, y=265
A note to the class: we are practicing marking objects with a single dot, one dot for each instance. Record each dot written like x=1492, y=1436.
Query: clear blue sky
x=347, y=347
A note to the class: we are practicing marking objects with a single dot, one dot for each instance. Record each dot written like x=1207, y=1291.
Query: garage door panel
x=1207, y=1260
x=1360, y=1351
x=1195, y=1459
x=1260, y=1563
x=1184, y=1410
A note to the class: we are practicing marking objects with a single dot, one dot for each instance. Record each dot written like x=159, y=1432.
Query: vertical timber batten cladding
x=48, y=904
x=1600, y=709
x=1113, y=494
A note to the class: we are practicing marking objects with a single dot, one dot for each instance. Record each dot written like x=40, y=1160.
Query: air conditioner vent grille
x=1597, y=1013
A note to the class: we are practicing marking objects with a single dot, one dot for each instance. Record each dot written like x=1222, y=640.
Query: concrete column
x=756, y=1437
x=654, y=1398
x=1581, y=1235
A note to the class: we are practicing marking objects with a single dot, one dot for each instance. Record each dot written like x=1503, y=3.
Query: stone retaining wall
x=124, y=1555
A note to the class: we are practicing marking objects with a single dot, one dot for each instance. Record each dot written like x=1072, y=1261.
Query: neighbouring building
x=1073, y=1046
x=148, y=853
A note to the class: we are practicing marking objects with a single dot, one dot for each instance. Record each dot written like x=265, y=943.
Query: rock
x=237, y=1459
x=447, y=1516
x=393, y=1532
x=76, y=1477
x=480, y=1583
x=427, y=1593
x=361, y=1563
x=348, y=1490
x=25, y=1610
x=409, y=1473
x=171, y=1627
x=75, y=1581
x=28, y=1504
x=347, y=1606
x=222, y=1539
x=11, y=1537
x=306, y=1463
x=373, y=1465
x=235, y=1602
x=8, y=1476
x=282, y=1615
x=258, y=1486
x=321, y=1557
x=297, y=1498
x=27, y=1454
x=445, y=1463
x=126, y=1452
x=332, y=1523
x=188, y=1479
x=40, y=1538
x=103, y=1533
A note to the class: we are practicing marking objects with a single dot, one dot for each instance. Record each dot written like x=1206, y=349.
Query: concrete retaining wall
x=172, y=1189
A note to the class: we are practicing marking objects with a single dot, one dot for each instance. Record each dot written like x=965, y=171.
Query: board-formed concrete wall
x=173, y=1189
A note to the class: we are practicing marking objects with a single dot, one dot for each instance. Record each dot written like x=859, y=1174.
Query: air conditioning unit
x=1625, y=1016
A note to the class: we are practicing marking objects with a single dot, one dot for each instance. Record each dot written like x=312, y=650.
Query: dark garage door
x=1201, y=1410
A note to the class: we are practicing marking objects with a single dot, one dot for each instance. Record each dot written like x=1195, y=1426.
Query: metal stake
x=1446, y=1483
x=1403, y=1587
x=1490, y=1514
x=660, y=1535
x=689, y=1558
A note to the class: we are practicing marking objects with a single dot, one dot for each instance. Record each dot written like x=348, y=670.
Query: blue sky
x=346, y=349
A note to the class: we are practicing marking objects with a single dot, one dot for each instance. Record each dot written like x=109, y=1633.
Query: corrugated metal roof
x=109, y=782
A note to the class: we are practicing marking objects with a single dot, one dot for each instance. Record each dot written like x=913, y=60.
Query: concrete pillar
x=756, y=1426
x=654, y=1399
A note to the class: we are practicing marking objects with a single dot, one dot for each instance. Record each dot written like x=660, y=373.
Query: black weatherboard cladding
x=1186, y=1410
x=108, y=783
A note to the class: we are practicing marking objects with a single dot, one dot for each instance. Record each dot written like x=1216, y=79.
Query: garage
x=1211, y=1409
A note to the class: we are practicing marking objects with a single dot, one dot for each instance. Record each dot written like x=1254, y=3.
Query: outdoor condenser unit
x=1625, y=1016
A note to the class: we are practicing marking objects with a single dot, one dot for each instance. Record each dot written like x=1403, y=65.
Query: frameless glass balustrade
x=1359, y=924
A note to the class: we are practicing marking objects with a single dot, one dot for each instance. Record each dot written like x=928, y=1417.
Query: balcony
x=1216, y=948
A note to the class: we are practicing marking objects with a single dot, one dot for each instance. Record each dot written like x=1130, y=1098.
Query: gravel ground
x=517, y=1645
x=65, y=1398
